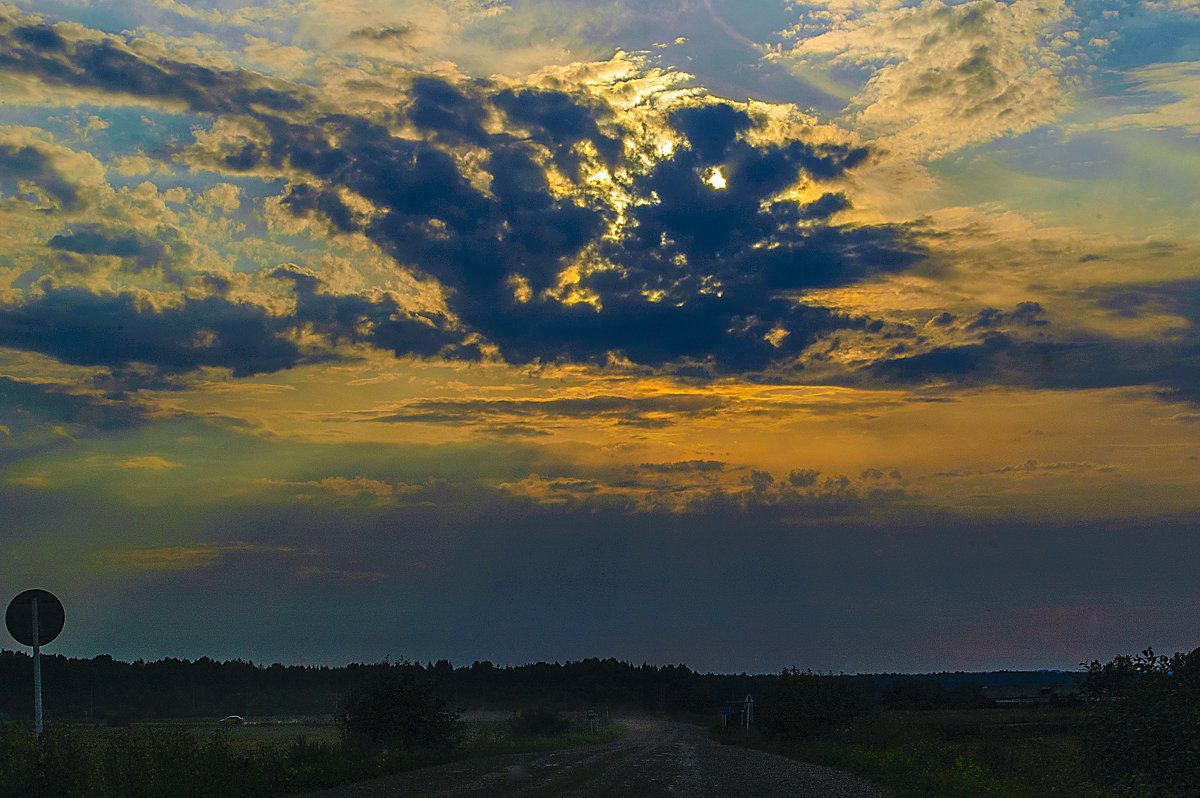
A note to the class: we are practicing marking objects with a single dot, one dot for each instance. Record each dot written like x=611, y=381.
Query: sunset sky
x=854, y=336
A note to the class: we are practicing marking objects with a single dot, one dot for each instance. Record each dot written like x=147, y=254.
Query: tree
x=803, y=703
x=1148, y=726
x=398, y=705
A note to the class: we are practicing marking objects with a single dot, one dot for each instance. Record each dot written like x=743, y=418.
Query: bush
x=540, y=722
x=1148, y=730
x=398, y=706
x=803, y=703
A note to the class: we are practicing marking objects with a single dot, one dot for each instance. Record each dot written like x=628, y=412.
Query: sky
x=844, y=335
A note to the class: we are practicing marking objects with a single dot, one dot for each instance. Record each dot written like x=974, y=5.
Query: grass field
x=1037, y=752
x=247, y=735
x=206, y=759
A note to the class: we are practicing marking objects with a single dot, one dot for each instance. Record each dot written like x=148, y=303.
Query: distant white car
x=232, y=720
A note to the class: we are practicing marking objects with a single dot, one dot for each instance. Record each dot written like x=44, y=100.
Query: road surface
x=656, y=759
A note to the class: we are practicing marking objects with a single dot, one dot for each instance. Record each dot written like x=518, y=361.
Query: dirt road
x=656, y=759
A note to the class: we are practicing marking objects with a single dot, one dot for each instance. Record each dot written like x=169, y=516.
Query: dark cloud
x=76, y=326
x=304, y=198
x=27, y=163
x=1086, y=363
x=1026, y=313
x=1129, y=304
x=94, y=239
x=115, y=330
x=684, y=467
x=559, y=121
x=439, y=107
x=1021, y=347
x=945, y=361
x=108, y=66
x=390, y=34
x=381, y=322
x=711, y=129
x=41, y=37
x=105, y=65
x=142, y=252
x=638, y=411
x=824, y=207
x=943, y=319
x=700, y=277
x=803, y=477
x=701, y=273
x=34, y=417
x=245, y=158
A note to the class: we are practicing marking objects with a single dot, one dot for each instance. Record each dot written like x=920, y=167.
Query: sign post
x=37, y=670
x=34, y=618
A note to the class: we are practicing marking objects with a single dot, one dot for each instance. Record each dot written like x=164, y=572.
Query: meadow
x=193, y=758
x=1025, y=752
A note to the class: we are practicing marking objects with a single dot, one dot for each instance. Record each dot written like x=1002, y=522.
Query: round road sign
x=19, y=617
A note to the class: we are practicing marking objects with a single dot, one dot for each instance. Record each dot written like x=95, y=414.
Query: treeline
x=104, y=689
x=107, y=690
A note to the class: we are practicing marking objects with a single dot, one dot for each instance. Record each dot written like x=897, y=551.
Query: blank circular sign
x=19, y=617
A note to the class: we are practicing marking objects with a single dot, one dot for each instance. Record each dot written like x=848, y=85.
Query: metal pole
x=37, y=674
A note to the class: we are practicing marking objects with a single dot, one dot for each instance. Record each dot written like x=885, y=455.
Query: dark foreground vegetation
x=394, y=719
x=1131, y=730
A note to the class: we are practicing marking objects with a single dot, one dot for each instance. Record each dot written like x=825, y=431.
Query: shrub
x=398, y=706
x=1148, y=730
x=542, y=722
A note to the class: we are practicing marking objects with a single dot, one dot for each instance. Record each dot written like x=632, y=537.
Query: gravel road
x=656, y=759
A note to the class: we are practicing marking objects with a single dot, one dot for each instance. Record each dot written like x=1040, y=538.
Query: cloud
x=683, y=467
x=81, y=328
x=1077, y=362
x=1028, y=314
x=148, y=462
x=181, y=557
x=109, y=64
x=141, y=251
x=1162, y=96
x=1032, y=468
x=439, y=107
x=170, y=558
x=37, y=416
x=943, y=76
x=20, y=164
x=558, y=120
x=397, y=34
x=645, y=411
x=338, y=488
x=604, y=220
x=685, y=272
x=78, y=326
x=540, y=259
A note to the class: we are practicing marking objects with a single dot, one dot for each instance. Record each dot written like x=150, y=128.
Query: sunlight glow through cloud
x=296, y=295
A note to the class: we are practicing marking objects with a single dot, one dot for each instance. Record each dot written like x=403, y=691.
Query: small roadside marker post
x=34, y=618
